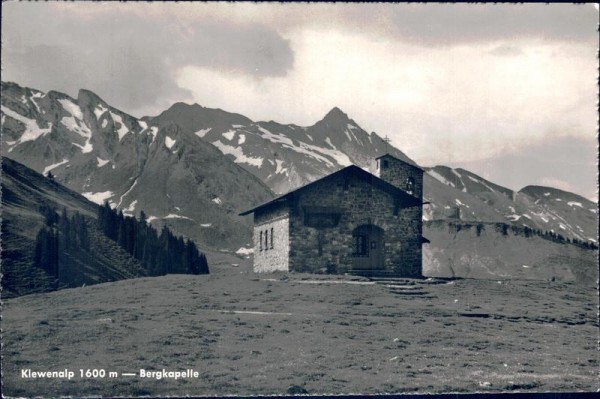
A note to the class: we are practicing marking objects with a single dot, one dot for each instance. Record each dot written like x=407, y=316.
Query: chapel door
x=368, y=247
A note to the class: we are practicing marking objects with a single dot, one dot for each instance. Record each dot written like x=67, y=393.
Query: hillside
x=105, y=154
x=484, y=251
x=23, y=193
x=264, y=335
x=537, y=207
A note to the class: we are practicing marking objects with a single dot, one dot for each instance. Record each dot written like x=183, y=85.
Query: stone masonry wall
x=398, y=172
x=267, y=258
x=360, y=204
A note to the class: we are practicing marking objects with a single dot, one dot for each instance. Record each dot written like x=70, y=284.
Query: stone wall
x=272, y=221
x=397, y=173
x=359, y=204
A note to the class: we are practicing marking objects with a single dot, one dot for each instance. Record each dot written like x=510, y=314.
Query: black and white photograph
x=270, y=198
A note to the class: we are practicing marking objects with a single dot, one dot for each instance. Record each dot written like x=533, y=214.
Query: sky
x=507, y=91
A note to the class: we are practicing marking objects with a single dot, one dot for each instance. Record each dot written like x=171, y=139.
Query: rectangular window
x=266, y=239
x=260, y=241
x=271, y=238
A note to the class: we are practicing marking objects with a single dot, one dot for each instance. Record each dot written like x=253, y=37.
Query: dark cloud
x=129, y=59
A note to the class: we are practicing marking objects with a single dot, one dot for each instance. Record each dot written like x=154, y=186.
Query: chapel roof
x=351, y=170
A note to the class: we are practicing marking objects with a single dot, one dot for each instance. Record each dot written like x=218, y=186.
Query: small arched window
x=410, y=185
x=260, y=241
x=271, y=238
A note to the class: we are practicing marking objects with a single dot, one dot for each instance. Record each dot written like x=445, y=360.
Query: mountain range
x=195, y=168
x=107, y=155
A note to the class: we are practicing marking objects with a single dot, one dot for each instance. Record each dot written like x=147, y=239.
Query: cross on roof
x=387, y=143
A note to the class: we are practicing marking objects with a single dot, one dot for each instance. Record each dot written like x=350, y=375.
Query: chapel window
x=271, y=238
x=266, y=239
x=261, y=240
x=410, y=185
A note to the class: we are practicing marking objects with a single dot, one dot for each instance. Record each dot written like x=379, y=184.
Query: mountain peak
x=336, y=113
x=89, y=98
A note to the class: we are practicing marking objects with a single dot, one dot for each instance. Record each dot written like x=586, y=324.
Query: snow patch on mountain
x=104, y=123
x=440, y=178
x=55, y=165
x=127, y=192
x=71, y=108
x=99, y=110
x=341, y=158
x=280, y=168
x=99, y=197
x=238, y=154
x=102, y=162
x=122, y=131
x=33, y=98
x=169, y=142
x=32, y=129
x=205, y=224
x=229, y=135
x=237, y=126
x=174, y=216
x=217, y=201
x=79, y=127
x=242, y=139
x=131, y=207
x=574, y=203
x=153, y=132
x=202, y=132
x=275, y=138
x=456, y=173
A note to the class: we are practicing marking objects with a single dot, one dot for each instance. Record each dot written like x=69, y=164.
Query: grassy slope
x=333, y=338
x=493, y=255
x=23, y=191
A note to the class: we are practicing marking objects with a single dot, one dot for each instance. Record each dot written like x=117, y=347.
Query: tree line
x=59, y=235
x=160, y=254
x=504, y=228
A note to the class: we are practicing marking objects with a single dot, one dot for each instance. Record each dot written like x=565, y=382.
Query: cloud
x=465, y=84
x=556, y=183
x=568, y=163
x=129, y=58
x=422, y=24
